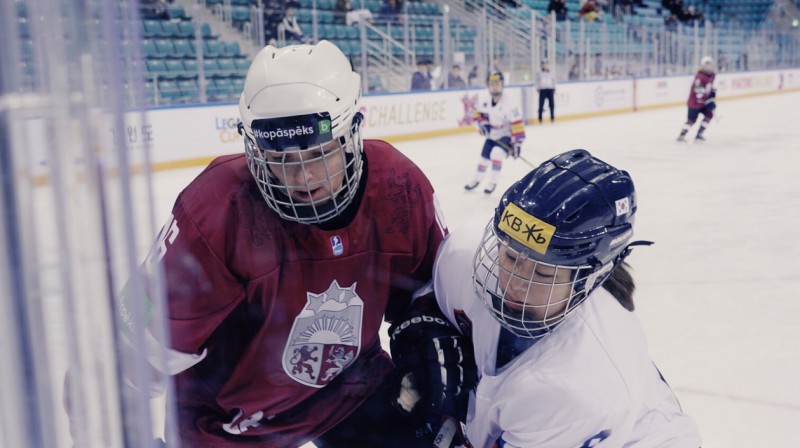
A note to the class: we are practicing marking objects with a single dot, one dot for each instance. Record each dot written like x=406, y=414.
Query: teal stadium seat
x=327, y=32
x=156, y=69
x=237, y=85
x=210, y=68
x=205, y=30
x=225, y=89
x=303, y=16
x=240, y=14
x=151, y=29
x=168, y=91
x=184, y=48
x=232, y=50
x=190, y=66
x=341, y=31
x=169, y=29
x=325, y=16
x=149, y=92
x=175, y=69
x=149, y=49
x=212, y=49
x=189, y=93
x=343, y=45
x=242, y=65
x=177, y=12
x=374, y=6
x=165, y=48
x=227, y=68
x=185, y=30
x=211, y=88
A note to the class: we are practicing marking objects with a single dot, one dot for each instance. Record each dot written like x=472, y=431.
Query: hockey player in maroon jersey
x=701, y=100
x=282, y=263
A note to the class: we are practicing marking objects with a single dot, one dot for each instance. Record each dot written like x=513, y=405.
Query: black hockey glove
x=434, y=363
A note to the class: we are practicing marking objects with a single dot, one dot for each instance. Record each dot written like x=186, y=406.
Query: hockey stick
x=510, y=150
x=446, y=433
x=526, y=161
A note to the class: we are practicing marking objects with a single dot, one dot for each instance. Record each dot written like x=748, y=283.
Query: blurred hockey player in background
x=501, y=124
x=701, y=100
x=282, y=263
x=548, y=298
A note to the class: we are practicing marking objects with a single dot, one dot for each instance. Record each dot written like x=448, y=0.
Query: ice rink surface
x=718, y=291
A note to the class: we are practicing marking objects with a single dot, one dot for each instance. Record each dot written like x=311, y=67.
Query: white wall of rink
x=193, y=135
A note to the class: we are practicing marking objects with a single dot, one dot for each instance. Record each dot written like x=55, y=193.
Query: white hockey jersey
x=504, y=118
x=590, y=383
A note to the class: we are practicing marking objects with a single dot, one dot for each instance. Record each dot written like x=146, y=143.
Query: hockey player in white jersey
x=547, y=300
x=501, y=124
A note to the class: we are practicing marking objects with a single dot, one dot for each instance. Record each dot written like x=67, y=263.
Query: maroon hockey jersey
x=288, y=315
x=702, y=86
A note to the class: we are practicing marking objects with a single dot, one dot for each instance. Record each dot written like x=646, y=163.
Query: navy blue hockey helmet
x=495, y=83
x=556, y=235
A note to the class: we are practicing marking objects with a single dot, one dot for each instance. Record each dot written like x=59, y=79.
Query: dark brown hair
x=621, y=285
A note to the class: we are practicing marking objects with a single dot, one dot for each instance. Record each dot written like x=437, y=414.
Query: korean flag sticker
x=336, y=245
x=623, y=206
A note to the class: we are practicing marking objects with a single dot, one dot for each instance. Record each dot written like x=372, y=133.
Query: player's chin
x=527, y=314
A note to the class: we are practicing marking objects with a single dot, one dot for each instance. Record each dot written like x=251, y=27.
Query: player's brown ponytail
x=621, y=285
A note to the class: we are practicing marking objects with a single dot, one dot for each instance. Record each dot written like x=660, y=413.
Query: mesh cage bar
x=76, y=221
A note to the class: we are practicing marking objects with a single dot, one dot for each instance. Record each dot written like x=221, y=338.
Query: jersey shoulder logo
x=325, y=337
x=336, y=245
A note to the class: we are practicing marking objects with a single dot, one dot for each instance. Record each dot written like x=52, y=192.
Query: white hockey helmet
x=301, y=126
x=706, y=62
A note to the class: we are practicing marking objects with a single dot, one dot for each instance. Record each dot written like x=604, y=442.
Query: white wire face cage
x=528, y=297
x=308, y=185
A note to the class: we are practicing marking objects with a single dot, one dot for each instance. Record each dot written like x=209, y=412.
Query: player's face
x=536, y=290
x=312, y=175
x=496, y=87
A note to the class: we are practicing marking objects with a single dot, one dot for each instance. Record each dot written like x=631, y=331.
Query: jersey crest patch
x=325, y=337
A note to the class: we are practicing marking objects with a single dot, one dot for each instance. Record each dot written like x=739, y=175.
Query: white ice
x=717, y=292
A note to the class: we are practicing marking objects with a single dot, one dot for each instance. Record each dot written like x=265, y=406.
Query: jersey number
x=167, y=235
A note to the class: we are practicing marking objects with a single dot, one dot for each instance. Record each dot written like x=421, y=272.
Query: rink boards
x=192, y=135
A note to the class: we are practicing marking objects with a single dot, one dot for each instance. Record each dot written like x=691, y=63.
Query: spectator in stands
x=623, y=7
x=274, y=11
x=671, y=22
x=696, y=15
x=454, y=79
x=292, y=29
x=472, y=78
x=589, y=11
x=345, y=14
x=421, y=80
x=154, y=9
x=559, y=7
x=389, y=11
x=341, y=10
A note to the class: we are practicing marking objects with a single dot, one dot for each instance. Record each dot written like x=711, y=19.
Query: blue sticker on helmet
x=303, y=131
